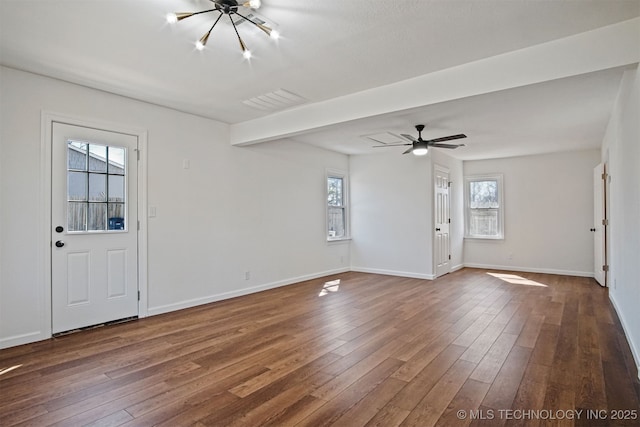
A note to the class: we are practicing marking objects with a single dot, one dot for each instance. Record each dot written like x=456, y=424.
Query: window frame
x=344, y=176
x=467, y=208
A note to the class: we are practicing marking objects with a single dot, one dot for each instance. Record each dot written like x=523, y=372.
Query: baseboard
x=531, y=270
x=28, y=338
x=457, y=267
x=635, y=350
x=393, y=273
x=152, y=311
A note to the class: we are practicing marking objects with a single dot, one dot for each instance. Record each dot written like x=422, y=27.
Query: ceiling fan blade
x=448, y=138
x=389, y=145
x=408, y=151
x=452, y=146
x=409, y=137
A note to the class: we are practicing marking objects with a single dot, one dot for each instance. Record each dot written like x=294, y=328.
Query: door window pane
x=77, y=216
x=97, y=216
x=115, y=213
x=77, y=156
x=97, y=158
x=97, y=187
x=116, y=188
x=116, y=161
x=76, y=186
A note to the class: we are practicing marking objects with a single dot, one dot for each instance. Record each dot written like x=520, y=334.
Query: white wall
x=548, y=213
x=259, y=208
x=392, y=213
x=621, y=147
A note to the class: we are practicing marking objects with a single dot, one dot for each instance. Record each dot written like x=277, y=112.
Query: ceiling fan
x=420, y=147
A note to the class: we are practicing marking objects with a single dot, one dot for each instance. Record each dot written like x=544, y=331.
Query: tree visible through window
x=336, y=207
x=484, y=207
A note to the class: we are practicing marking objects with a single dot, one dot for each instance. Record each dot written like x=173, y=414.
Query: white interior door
x=599, y=253
x=441, y=220
x=94, y=261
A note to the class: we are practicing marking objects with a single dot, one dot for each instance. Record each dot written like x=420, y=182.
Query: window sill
x=484, y=238
x=338, y=240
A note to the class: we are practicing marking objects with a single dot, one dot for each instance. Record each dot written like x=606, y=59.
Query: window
x=337, y=203
x=484, y=205
x=95, y=187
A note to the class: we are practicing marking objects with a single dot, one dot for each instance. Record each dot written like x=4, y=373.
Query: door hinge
x=138, y=154
x=138, y=224
x=605, y=222
x=449, y=256
x=604, y=176
x=605, y=268
x=138, y=295
x=449, y=220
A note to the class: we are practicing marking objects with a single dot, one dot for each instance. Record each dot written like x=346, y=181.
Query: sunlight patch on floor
x=516, y=280
x=7, y=370
x=331, y=286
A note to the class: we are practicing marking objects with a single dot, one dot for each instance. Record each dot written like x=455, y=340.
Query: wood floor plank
x=376, y=351
x=467, y=399
x=431, y=407
x=492, y=362
x=349, y=396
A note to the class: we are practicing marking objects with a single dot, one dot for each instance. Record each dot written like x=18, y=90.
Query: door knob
x=437, y=229
x=59, y=244
x=59, y=229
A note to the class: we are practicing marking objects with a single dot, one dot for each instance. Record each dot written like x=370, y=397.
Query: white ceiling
x=328, y=49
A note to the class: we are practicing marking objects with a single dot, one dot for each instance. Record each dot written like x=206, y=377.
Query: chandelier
x=229, y=8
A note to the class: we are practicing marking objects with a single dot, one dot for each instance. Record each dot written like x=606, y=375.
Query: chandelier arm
x=203, y=11
x=242, y=45
x=205, y=38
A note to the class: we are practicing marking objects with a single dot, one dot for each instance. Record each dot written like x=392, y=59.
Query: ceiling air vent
x=276, y=100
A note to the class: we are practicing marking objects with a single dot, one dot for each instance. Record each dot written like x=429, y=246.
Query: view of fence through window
x=95, y=187
x=483, y=208
x=336, y=208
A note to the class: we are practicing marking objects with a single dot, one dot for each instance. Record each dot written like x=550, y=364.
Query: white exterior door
x=599, y=253
x=94, y=237
x=441, y=220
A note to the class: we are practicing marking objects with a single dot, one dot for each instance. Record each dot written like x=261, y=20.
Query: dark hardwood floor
x=471, y=348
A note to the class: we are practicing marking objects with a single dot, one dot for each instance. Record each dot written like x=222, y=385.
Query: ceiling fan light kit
x=420, y=147
x=229, y=8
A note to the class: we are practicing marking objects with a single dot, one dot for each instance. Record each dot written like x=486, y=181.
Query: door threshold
x=99, y=325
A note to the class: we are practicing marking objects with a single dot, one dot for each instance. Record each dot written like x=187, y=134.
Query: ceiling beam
x=603, y=48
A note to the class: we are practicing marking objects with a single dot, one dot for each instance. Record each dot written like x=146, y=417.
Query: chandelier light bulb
x=253, y=4
x=246, y=54
x=274, y=34
x=172, y=18
x=199, y=45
